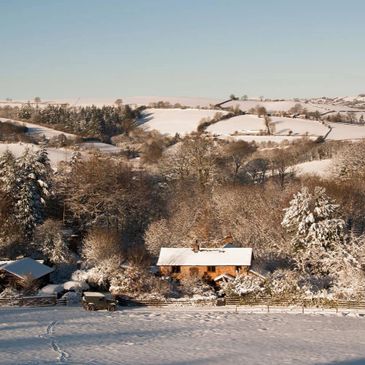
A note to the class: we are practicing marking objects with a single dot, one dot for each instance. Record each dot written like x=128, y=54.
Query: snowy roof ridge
x=27, y=266
x=231, y=256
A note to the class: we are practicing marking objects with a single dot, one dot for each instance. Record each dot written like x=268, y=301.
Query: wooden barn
x=17, y=273
x=213, y=263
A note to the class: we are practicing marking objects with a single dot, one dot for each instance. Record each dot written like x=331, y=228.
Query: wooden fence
x=33, y=301
x=306, y=303
x=165, y=303
x=267, y=303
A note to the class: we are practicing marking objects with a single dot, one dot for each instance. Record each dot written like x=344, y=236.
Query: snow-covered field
x=346, y=131
x=253, y=124
x=183, y=121
x=321, y=168
x=38, y=130
x=100, y=146
x=249, y=124
x=166, y=336
x=55, y=155
x=322, y=105
x=172, y=121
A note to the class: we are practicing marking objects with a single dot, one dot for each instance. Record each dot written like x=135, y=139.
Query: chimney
x=195, y=246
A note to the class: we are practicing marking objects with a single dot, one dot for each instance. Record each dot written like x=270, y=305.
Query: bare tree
x=239, y=152
x=282, y=162
x=37, y=100
x=269, y=125
x=118, y=103
x=101, y=244
x=193, y=160
x=260, y=110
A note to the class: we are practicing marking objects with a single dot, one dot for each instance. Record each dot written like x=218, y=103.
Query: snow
x=93, y=294
x=249, y=124
x=38, y=130
x=346, y=131
x=312, y=105
x=259, y=139
x=320, y=168
x=226, y=277
x=102, y=147
x=172, y=121
x=51, y=289
x=298, y=126
x=27, y=266
x=236, y=256
x=175, y=337
x=184, y=121
x=55, y=155
x=75, y=285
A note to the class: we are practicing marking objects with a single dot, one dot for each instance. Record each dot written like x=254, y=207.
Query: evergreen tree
x=8, y=183
x=50, y=240
x=318, y=233
x=33, y=188
x=7, y=172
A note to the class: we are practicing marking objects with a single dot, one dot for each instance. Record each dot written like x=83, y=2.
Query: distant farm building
x=213, y=263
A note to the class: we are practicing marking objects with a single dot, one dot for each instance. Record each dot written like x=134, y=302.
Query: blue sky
x=207, y=48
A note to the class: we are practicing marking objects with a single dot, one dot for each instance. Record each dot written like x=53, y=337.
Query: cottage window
x=211, y=268
x=238, y=268
x=176, y=269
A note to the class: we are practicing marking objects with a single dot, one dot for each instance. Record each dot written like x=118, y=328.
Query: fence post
x=268, y=308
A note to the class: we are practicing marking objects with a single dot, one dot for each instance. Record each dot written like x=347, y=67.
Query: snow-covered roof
x=233, y=256
x=93, y=294
x=27, y=266
x=5, y=262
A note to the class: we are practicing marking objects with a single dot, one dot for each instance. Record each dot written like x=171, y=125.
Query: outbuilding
x=18, y=272
x=204, y=262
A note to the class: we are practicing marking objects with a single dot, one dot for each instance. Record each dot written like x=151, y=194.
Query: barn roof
x=27, y=266
x=232, y=256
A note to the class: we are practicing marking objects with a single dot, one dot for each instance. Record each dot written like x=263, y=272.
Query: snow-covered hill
x=320, y=168
x=38, y=130
x=245, y=127
x=55, y=155
x=172, y=121
x=251, y=124
x=357, y=102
